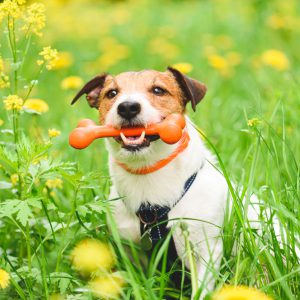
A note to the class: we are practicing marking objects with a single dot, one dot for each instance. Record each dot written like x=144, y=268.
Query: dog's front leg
x=128, y=224
x=206, y=249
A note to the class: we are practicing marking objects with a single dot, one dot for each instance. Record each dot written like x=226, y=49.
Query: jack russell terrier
x=158, y=184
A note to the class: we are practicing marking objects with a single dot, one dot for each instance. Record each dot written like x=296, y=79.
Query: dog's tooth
x=141, y=138
x=124, y=139
x=137, y=141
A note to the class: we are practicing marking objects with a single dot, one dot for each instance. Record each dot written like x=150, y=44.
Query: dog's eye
x=158, y=91
x=111, y=94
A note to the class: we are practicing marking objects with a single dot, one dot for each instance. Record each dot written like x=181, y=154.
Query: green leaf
x=35, y=202
x=63, y=285
x=83, y=210
x=9, y=207
x=96, y=207
x=24, y=212
x=51, y=206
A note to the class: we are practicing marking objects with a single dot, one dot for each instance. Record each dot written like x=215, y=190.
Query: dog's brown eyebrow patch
x=106, y=103
x=161, y=84
x=112, y=85
x=171, y=102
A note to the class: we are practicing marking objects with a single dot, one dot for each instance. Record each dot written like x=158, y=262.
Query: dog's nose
x=129, y=110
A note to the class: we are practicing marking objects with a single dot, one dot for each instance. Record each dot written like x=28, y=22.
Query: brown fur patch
x=105, y=103
x=143, y=82
x=172, y=102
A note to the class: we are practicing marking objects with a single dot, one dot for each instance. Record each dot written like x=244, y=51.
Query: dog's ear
x=92, y=90
x=192, y=89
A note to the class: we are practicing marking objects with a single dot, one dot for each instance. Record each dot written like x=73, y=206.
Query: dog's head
x=139, y=99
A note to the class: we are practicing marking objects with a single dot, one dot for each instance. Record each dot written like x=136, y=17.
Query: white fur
x=204, y=201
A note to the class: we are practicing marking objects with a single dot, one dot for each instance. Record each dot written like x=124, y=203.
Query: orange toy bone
x=169, y=131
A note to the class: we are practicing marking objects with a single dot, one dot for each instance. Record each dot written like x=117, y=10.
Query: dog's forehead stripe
x=134, y=81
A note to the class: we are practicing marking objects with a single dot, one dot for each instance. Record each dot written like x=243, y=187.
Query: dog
x=186, y=187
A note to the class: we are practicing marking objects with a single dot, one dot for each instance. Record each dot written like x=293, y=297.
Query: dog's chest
x=163, y=188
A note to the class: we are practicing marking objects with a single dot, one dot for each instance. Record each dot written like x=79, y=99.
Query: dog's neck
x=141, y=159
x=181, y=146
x=162, y=187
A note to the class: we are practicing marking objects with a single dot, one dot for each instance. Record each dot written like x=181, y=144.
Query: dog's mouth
x=136, y=143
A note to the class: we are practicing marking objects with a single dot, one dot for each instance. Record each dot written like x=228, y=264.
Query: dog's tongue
x=132, y=140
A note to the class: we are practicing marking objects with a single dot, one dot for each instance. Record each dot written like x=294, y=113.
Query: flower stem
x=28, y=246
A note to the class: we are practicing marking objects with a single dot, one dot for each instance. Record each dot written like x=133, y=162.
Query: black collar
x=154, y=219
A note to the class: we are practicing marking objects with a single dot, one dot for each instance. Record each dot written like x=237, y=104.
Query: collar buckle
x=149, y=218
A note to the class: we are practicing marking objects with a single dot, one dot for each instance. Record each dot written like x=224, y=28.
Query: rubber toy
x=169, y=131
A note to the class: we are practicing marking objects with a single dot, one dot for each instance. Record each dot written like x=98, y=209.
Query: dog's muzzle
x=129, y=111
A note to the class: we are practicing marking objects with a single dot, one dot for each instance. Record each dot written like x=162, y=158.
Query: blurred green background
x=223, y=41
x=227, y=44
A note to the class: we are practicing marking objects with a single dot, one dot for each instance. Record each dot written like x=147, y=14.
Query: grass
x=250, y=119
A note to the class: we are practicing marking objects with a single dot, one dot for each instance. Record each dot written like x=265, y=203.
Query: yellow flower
x=275, y=59
x=35, y=18
x=37, y=105
x=49, y=57
x=91, y=255
x=253, y=122
x=71, y=82
x=52, y=194
x=221, y=64
x=4, y=279
x=1, y=122
x=4, y=79
x=64, y=60
x=183, y=67
x=10, y=8
x=13, y=102
x=54, y=183
x=276, y=22
x=107, y=287
x=52, y=132
x=217, y=62
x=14, y=178
x=239, y=293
